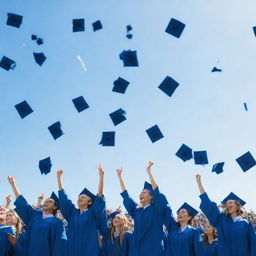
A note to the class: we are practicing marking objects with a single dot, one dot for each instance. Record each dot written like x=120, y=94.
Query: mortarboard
x=96, y=25
x=246, y=161
x=56, y=199
x=113, y=215
x=245, y=107
x=108, y=139
x=14, y=20
x=7, y=63
x=175, y=28
x=120, y=85
x=218, y=168
x=184, y=153
x=45, y=165
x=117, y=116
x=254, y=30
x=216, y=70
x=33, y=37
x=39, y=41
x=129, y=58
x=234, y=197
x=128, y=28
x=168, y=86
x=88, y=193
x=192, y=211
x=154, y=133
x=23, y=109
x=148, y=187
x=80, y=104
x=129, y=36
x=78, y=25
x=39, y=58
x=200, y=157
x=55, y=130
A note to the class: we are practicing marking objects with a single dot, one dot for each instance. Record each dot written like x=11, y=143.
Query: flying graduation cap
x=216, y=70
x=154, y=133
x=129, y=58
x=118, y=116
x=184, y=153
x=78, y=25
x=23, y=109
x=14, y=20
x=175, y=28
x=7, y=63
x=200, y=157
x=39, y=58
x=168, y=86
x=97, y=25
x=120, y=85
x=80, y=104
x=218, y=168
x=246, y=161
x=55, y=130
x=108, y=139
x=45, y=165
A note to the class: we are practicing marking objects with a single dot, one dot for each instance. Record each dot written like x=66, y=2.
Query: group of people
x=60, y=228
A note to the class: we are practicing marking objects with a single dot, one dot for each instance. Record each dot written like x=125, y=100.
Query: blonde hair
x=19, y=226
x=239, y=209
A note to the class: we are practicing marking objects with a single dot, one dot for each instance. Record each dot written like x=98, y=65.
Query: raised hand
x=119, y=172
x=60, y=172
x=199, y=183
x=41, y=198
x=100, y=169
x=11, y=180
x=198, y=178
x=8, y=201
x=150, y=163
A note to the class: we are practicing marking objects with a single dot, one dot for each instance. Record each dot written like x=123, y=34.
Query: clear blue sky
x=206, y=111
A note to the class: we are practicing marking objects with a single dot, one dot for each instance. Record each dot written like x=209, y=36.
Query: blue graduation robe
x=234, y=238
x=83, y=227
x=44, y=237
x=20, y=245
x=212, y=249
x=6, y=248
x=148, y=235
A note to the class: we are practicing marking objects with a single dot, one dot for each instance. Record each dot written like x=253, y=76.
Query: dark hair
x=55, y=211
x=189, y=214
x=205, y=237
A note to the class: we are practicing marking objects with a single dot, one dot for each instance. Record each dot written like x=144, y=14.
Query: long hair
x=19, y=225
x=239, y=209
x=205, y=237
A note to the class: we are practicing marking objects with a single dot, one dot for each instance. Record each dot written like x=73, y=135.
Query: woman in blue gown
x=84, y=223
x=236, y=236
x=210, y=240
x=45, y=234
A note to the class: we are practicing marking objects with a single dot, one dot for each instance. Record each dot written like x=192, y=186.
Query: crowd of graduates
x=58, y=227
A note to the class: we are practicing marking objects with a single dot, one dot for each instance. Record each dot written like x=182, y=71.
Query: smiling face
x=11, y=220
x=232, y=207
x=118, y=221
x=145, y=197
x=208, y=229
x=84, y=201
x=3, y=215
x=49, y=205
x=183, y=216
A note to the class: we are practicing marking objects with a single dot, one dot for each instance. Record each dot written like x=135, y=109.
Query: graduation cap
x=88, y=193
x=246, y=161
x=39, y=58
x=129, y=58
x=23, y=109
x=97, y=25
x=192, y=211
x=254, y=30
x=39, y=41
x=80, y=104
x=129, y=36
x=120, y=85
x=56, y=199
x=200, y=157
x=113, y=215
x=45, y=165
x=234, y=197
x=14, y=20
x=184, y=153
x=78, y=25
x=216, y=70
x=7, y=63
x=128, y=28
x=168, y=86
x=108, y=139
x=154, y=133
x=175, y=28
x=117, y=116
x=218, y=168
x=55, y=130
x=245, y=107
x=33, y=37
x=148, y=187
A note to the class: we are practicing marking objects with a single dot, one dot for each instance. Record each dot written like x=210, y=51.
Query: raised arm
x=199, y=183
x=8, y=201
x=150, y=175
x=15, y=189
x=121, y=181
x=101, y=182
x=39, y=201
x=59, y=179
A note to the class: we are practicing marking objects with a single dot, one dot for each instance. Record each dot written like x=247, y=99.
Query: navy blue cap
x=218, y=168
x=216, y=70
x=56, y=199
x=175, y=28
x=39, y=41
x=14, y=20
x=129, y=58
x=234, y=197
x=7, y=63
x=168, y=86
x=23, y=109
x=200, y=157
x=120, y=85
x=113, y=215
x=80, y=104
x=254, y=30
x=184, y=153
x=148, y=187
x=96, y=25
x=129, y=36
x=246, y=161
x=88, y=193
x=39, y=58
x=55, y=130
x=192, y=211
x=108, y=139
x=78, y=25
x=118, y=116
x=245, y=107
x=45, y=165
x=33, y=37
x=154, y=133
x=128, y=28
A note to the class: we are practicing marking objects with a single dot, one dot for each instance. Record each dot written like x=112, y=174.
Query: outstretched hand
x=8, y=199
x=41, y=198
x=119, y=172
x=150, y=163
x=11, y=180
x=198, y=178
x=101, y=170
x=60, y=172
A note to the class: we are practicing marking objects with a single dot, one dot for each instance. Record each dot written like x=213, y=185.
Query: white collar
x=237, y=218
x=183, y=228
x=146, y=206
x=46, y=216
x=81, y=212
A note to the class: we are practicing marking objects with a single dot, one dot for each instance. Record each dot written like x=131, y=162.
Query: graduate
x=85, y=222
x=210, y=240
x=182, y=238
x=148, y=235
x=45, y=234
x=236, y=236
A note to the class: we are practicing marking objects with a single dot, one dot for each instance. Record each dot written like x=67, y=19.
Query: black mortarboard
x=233, y=196
x=120, y=85
x=7, y=63
x=39, y=58
x=200, y=157
x=117, y=116
x=45, y=165
x=184, y=153
x=23, y=109
x=108, y=139
x=129, y=36
x=246, y=161
x=78, y=25
x=245, y=107
x=55, y=130
x=128, y=28
x=88, y=193
x=175, y=28
x=154, y=133
x=168, y=86
x=33, y=37
x=14, y=20
x=218, y=168
x=129, y=58
x=148, y=187
x=80, y=104
x=192, y=211
x=216, y=70
x=56, y=199
x=97, y=25
x=254, y=30
x=39, y=41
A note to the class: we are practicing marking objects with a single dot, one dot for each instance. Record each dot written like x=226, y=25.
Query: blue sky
x=206, y=111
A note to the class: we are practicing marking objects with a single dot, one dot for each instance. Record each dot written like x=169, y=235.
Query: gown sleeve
x=198, y=244
x=252, y=240
x=66, y=205
x=129, y=203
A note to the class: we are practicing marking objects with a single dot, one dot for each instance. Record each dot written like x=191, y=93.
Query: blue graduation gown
x=20, y=245
x=44, y=237
x=234, y=238
x=212, y=249
x=148, y=235
x=83, y=228
x=6, y=248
